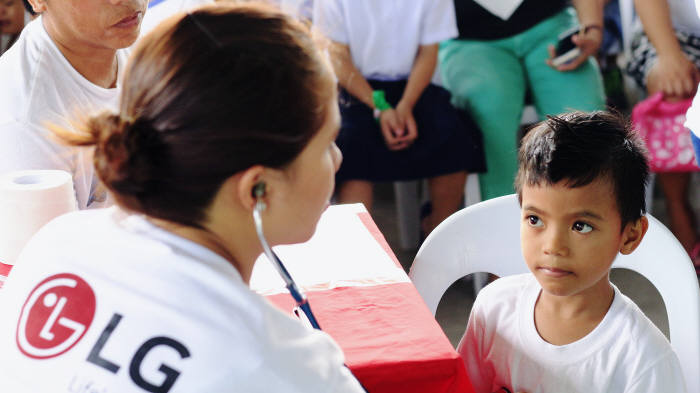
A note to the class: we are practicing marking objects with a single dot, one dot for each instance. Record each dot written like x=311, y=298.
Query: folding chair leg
x=407, y=210
x=472, y=192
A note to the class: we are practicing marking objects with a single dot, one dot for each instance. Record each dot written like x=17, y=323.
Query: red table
x=391, y=341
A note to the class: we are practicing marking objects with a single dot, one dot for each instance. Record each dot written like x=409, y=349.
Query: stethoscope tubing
x=301, y=301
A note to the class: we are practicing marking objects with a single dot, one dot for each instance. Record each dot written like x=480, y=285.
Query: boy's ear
x=633, y=235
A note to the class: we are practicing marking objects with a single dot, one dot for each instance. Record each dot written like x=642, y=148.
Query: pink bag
x=660, y=124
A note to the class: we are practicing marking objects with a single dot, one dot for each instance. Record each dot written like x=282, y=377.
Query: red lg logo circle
x=55, y=316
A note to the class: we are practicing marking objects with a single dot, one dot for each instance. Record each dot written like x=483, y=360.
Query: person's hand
x=674, y=75
x=393, y=130
x=405, y=113
x=587, y=40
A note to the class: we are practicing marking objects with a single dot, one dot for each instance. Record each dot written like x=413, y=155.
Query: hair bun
x=124, y=153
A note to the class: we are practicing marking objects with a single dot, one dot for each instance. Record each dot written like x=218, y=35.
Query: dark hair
x=28, y=7
x=580, y=148
x=208, y=94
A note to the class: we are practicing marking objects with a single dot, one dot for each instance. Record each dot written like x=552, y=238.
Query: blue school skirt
x=448, y=140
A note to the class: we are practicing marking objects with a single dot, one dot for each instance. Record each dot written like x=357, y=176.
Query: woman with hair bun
x=222, y=108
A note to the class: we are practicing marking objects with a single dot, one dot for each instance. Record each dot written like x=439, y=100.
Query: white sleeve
x=664, y=375
x=22, y=147
x=330, y=20
x=439, y=22
x=472, y=348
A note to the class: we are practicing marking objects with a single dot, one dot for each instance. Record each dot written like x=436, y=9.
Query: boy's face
x=570, y=236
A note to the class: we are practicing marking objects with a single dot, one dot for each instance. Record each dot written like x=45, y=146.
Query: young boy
x=565, y=327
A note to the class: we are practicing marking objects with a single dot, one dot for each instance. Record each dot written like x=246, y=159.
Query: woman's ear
x=633, y=235
x=250, y=186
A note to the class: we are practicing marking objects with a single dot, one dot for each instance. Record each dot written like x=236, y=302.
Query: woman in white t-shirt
x=223, y=109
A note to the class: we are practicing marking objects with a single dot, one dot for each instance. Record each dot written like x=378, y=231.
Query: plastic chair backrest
x=485, y=237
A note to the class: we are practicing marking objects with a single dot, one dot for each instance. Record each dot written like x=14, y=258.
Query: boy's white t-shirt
x=384, y=36
x=501, y=347
x=40, y=87
x=104, y=299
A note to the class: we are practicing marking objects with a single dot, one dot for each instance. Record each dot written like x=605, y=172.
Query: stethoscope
x=302, y=303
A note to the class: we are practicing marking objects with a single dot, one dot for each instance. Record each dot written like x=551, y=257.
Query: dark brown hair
x=579, y=148
x=208, y=94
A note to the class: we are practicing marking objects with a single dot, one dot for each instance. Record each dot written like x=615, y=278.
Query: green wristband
x=380, y=104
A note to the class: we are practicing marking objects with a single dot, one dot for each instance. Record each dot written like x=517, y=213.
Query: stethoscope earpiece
x=259, y=190
x=258, y=193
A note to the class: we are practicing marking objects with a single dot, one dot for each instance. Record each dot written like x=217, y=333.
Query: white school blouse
x=384, y=35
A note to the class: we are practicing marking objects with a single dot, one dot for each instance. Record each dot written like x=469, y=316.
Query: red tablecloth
x=391, y=341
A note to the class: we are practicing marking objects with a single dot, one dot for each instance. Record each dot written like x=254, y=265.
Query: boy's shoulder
x=634, y=340
x=628, y=317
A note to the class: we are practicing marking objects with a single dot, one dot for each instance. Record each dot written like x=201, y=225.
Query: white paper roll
x=28, y=200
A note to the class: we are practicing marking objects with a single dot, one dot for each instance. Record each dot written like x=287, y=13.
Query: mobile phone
x=566, y=50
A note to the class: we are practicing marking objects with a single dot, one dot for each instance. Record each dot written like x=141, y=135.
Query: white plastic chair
x=486, y=238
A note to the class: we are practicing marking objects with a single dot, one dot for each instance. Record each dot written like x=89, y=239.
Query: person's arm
x=588, y=40
x=673, y=74
x=473, y=347
x=421, y=74
x=350, y=78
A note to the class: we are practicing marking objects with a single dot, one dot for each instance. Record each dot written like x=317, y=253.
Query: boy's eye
x=581, y=227
x=534, y=221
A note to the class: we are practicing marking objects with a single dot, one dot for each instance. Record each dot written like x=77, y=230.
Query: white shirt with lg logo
x=103, y=302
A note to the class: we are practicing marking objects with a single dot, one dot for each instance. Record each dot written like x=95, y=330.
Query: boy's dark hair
x=581, y=147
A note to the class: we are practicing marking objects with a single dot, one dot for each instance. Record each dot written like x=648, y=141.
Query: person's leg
x=446, y=196
x=680, y=214
x=675, y=186
x=356, y=191
x=486, y=79
x=553, y=91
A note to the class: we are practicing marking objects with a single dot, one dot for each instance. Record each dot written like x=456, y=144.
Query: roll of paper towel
x=28, y=200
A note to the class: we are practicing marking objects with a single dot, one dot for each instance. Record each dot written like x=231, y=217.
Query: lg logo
x=57, y=314
x=171, y=374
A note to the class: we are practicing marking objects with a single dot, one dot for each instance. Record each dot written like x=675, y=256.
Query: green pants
x=489, y=79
